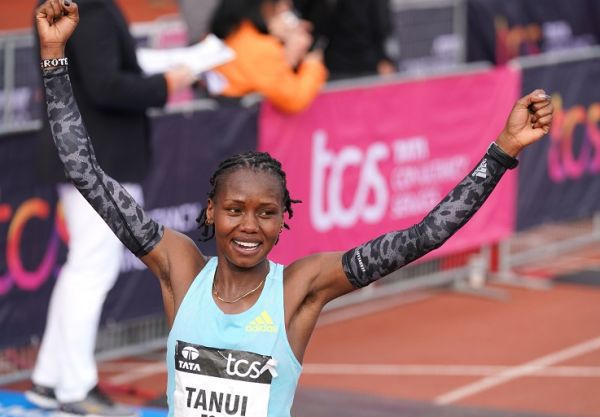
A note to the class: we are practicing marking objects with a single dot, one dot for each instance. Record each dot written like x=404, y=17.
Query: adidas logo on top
x=262, y=323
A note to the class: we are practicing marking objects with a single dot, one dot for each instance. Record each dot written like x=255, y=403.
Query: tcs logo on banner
x=574, y=141
x=19, y=219
x=515, y=41
x=522, y=40
x=380, y=181
x=327, y=184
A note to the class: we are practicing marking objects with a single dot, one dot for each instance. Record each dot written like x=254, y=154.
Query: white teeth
x=249, y=245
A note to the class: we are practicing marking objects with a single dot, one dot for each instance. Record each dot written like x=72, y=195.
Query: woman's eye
x=233, y=210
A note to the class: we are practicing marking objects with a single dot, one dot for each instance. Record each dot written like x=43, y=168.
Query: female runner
x=241, y=323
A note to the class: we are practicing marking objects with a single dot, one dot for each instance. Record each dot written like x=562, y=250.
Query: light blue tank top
x=223, y=365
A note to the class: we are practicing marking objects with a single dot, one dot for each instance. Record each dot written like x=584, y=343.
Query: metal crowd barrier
x=428, y=34
x=18, y=84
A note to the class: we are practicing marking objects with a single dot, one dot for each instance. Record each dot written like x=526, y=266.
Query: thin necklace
x=246, y=294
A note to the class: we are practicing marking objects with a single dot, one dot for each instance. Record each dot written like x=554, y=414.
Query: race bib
x=213, y=382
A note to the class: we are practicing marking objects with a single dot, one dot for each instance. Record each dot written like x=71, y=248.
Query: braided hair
x=258, y=161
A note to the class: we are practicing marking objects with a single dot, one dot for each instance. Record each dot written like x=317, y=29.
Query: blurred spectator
x=272, y=54
x=113, y=96
x=196, y=14
x=355, y=32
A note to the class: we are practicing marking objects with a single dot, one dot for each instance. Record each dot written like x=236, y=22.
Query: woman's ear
x=210, y=212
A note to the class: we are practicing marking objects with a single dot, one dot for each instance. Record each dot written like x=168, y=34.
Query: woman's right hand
x=56, y=20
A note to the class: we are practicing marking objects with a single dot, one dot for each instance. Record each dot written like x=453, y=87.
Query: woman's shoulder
x=303, y=266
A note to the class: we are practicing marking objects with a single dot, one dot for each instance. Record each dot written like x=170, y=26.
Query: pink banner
x=370, y=160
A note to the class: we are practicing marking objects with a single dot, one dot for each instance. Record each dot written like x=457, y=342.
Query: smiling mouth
x=246, y=245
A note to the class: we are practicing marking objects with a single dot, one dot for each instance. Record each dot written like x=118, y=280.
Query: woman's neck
x=236, y=289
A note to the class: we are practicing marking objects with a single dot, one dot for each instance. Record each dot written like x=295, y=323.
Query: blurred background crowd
x=321, y=40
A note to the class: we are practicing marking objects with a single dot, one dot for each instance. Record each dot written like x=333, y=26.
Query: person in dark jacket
x=354, y=32
x=113, y=96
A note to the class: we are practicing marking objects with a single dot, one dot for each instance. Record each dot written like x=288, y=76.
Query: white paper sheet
x=203, y=56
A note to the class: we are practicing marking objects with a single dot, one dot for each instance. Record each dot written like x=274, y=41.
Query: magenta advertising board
x=369, y=160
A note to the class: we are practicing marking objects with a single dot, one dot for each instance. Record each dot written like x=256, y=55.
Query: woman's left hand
x=529, y=120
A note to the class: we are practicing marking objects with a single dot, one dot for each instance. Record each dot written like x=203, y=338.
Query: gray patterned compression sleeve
x=128, y=221
x=391, y=251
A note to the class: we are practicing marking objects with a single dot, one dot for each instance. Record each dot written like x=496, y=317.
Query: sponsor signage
x=186, y=150
x=370, y=160
x=500, y=30
x=559, y=177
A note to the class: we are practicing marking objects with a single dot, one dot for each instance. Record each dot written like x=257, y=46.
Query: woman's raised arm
x=56, y=20
x=335, y=274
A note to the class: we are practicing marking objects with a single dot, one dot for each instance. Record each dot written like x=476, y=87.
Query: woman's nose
x=249, y=223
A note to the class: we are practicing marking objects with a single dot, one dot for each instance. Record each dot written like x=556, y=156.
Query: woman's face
x=270, y=8
x=247, y=211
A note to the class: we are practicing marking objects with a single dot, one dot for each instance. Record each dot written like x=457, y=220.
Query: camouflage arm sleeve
x=128, y=221
x=391, y=251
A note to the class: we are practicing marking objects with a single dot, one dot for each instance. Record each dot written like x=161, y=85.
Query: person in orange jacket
x=272, y=54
